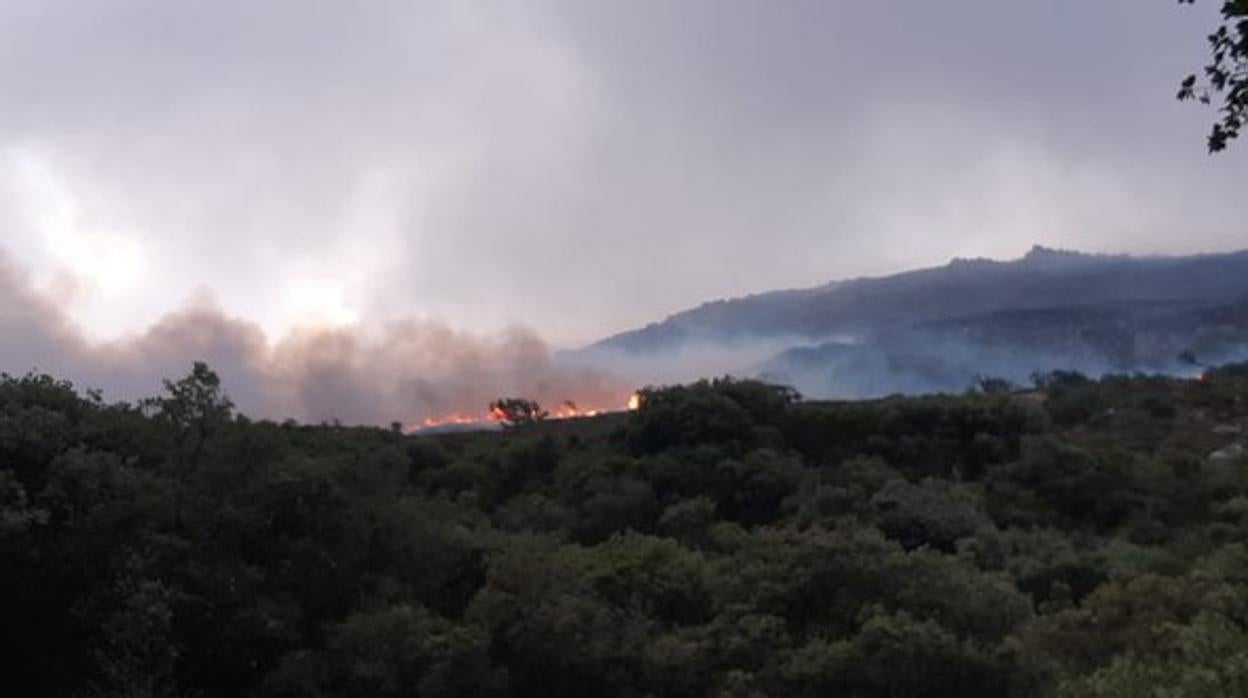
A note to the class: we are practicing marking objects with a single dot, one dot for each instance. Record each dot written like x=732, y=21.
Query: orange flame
x=444, y=420
x=566, y=410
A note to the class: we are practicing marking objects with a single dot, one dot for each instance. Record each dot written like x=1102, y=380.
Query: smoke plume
x=408, y=370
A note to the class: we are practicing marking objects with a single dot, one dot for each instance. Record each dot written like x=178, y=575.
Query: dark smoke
x=404, y=371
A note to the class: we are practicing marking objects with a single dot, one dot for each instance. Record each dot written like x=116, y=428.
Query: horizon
x=206, y=303
x=399, y=372
x=454, y=193
x=497, y=165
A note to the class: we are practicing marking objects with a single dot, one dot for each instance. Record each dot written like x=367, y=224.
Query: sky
x=563, y=170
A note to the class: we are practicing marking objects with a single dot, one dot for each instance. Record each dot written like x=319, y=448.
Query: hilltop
x=935, y=329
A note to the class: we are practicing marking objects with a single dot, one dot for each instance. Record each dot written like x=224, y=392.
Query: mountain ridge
x=1044, y=277
x=936, y=329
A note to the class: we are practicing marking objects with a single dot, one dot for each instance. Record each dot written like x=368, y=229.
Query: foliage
x=727, y=538
x=1226, y=76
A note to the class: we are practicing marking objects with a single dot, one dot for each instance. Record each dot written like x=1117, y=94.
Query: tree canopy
x=726, y=538
x=1225, y=78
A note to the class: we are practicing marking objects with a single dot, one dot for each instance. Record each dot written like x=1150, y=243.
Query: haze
x=570, y=168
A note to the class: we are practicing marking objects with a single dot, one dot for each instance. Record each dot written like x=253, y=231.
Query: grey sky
x=580, y=167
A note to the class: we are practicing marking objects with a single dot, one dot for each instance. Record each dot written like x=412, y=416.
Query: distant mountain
x=1043, y=278
x=934, y=329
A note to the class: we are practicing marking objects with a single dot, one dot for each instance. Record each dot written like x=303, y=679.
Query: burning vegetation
x=515, y=411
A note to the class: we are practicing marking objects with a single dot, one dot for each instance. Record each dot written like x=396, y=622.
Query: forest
x=1075, y=538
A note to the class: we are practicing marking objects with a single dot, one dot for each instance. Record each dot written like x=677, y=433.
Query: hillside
x=1080, y=538
x=1043, y=278
x=949, y=355
x=934, y=329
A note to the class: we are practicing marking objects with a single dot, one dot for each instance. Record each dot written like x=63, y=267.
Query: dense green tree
x=1209, y=659
x=933, y=513
x=725, y=540
x=194, y=406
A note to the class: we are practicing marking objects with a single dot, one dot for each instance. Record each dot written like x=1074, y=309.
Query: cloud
x=581, y=167
x=407, y=370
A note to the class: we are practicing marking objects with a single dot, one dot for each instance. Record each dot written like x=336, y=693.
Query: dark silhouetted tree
x=1226, y=76
x=195, y=406
x=993, y=385
x=517, y=411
